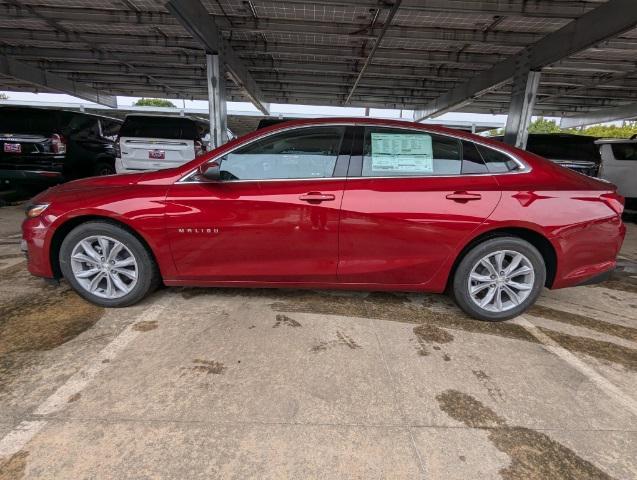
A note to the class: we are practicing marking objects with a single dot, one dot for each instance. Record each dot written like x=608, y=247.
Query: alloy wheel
x=104, y=267
x=501, y=280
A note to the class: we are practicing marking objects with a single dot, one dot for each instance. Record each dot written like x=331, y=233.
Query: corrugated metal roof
x=312, y=52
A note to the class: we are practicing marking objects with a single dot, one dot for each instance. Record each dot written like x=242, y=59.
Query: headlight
x=36, y=210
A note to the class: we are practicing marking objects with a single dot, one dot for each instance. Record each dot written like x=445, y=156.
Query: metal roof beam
x=194, y=17
x=609, y=19
x=36, y=76
x=377, y=42
x=624, y=112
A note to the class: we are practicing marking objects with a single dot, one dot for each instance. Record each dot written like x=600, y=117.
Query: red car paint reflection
x=345, y=231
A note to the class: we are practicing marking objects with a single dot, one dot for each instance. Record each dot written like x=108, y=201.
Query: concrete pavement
x=216, y=383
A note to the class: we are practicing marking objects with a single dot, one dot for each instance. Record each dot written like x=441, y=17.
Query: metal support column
x=525, y=86
x=216, y=102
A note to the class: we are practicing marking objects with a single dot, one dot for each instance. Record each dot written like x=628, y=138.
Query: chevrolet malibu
x=356, y=204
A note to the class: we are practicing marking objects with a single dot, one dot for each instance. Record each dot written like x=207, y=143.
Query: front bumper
x=34, y=245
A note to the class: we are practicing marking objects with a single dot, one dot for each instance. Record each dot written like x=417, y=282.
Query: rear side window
x=391, y=152
x=25, y=121
x=471, y=159
x=173, y=128
x=110, y=128
x=497, y=162
x=624, y=151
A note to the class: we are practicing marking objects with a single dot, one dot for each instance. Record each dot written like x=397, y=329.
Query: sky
x=274, y=108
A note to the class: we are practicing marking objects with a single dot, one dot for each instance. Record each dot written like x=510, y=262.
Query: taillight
x=118, y=150
x=615, y=201
x=199, y=148
x=58, y=143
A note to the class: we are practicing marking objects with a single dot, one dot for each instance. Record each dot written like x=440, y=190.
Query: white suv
x=151, y=142
x=619, y=166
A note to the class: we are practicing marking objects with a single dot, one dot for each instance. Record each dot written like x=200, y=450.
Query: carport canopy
x=430, y=57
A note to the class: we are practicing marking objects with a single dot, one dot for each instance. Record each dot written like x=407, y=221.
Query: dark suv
x=577, y=152
x=40, y=148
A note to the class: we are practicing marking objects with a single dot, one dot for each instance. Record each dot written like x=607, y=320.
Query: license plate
x=157, y=154
x=12, y=148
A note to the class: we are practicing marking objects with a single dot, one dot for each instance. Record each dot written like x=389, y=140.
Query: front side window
x=624, y=151
x=391, y=152
x=301, y=153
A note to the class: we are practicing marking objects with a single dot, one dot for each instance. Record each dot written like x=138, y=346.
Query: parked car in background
x=362, y=204
x=619, y=166
x=577, y=152
x=153, y=142
x=41, y=147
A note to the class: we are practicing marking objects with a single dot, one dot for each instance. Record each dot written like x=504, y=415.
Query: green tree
x=542, y=125
x=153, y=102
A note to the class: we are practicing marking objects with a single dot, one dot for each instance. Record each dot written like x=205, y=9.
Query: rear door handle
x=317, y=197
x=463, y=197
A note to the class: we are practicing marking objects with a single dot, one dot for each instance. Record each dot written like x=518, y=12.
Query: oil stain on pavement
x=285, y=320
x=534, y=455
x=428, y=334
x=145, y=326
x=14, y=467
x=40, y=321
x=209, y=367
x=620, y=331
x=341, y=339
x=391, y=307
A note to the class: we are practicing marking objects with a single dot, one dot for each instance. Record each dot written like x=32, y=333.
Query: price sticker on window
x=397, y=152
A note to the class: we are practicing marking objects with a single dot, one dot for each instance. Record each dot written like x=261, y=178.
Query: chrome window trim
x=524, y=168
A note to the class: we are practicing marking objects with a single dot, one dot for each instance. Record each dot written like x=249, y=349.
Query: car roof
x=158, y=115
x=49, y=110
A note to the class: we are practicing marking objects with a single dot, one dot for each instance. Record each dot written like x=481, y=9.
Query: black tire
x=460, y=286
x=103, y=168
x=148, y=276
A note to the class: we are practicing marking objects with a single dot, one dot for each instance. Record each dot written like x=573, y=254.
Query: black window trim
x=191, y=176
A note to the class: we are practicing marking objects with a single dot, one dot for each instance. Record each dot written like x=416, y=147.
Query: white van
x=152, y=142
x=619, y=166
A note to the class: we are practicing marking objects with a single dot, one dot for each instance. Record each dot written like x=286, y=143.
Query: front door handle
x=463, y=197
x=317, y=197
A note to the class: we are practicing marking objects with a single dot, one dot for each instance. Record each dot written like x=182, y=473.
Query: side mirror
x=211, y=170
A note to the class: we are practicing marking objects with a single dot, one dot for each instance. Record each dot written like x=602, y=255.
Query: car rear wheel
x=102, y=169
x=107, y=265
x=499, y=279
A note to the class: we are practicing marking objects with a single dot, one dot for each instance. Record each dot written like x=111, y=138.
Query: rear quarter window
x=624, y=151
x=159, y=127
x=497, y=162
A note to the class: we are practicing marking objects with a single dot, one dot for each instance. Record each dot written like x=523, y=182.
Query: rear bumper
x=586, y=255
x=599, y=278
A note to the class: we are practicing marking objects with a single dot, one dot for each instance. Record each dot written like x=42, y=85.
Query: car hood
x=107, y=181
x=86, y=186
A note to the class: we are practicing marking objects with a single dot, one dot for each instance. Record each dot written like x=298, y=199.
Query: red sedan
x=345, y=203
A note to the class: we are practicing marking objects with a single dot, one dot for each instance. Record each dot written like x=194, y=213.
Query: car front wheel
x=499, y=279
x=107, y=265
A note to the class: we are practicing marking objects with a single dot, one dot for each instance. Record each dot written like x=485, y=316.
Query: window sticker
x=397, y=152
